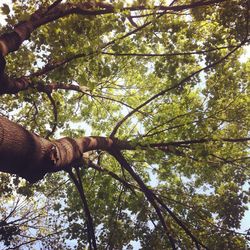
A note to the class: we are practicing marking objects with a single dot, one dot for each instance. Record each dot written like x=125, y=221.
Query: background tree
x=164, y=94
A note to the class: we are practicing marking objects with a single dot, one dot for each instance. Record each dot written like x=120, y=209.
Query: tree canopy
x=124, y=124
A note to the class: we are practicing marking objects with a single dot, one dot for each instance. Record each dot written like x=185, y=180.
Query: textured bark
x=23, y=153
x=13, y=85
x=30, y=156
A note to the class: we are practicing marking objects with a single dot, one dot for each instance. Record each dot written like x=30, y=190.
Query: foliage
x=121, y=60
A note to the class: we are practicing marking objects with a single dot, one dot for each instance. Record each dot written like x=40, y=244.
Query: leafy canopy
x=182, y=68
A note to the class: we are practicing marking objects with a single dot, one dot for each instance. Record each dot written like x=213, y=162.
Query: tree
x=166, y=99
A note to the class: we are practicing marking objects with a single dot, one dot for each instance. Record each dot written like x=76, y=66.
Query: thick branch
x=30, y=156
x=10, y=85
x=152, y=198
x=148, y=193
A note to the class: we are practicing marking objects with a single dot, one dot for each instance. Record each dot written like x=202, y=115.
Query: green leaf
x=5, y=9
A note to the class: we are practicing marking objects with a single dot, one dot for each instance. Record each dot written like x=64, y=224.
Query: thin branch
x=176, y=7
x=157, y=13
x=50, y=67
x=148, y=193
x=113, y=175
x=117, y=126
x=81, y=89
x=90, y=226
x=34, y=240
x=52, y=6
x=152, y=197
x=173, y=1
x=90, y=220
x=53, y=103
x=198, y=141
x=167, y=54
x=181, y=224
x=149, y=132
x=13, y=210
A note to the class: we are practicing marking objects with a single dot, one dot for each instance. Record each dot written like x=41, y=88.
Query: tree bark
x=30, y=156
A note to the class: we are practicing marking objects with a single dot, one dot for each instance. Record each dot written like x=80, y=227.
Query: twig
x=113, y=175
x=112, y=135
